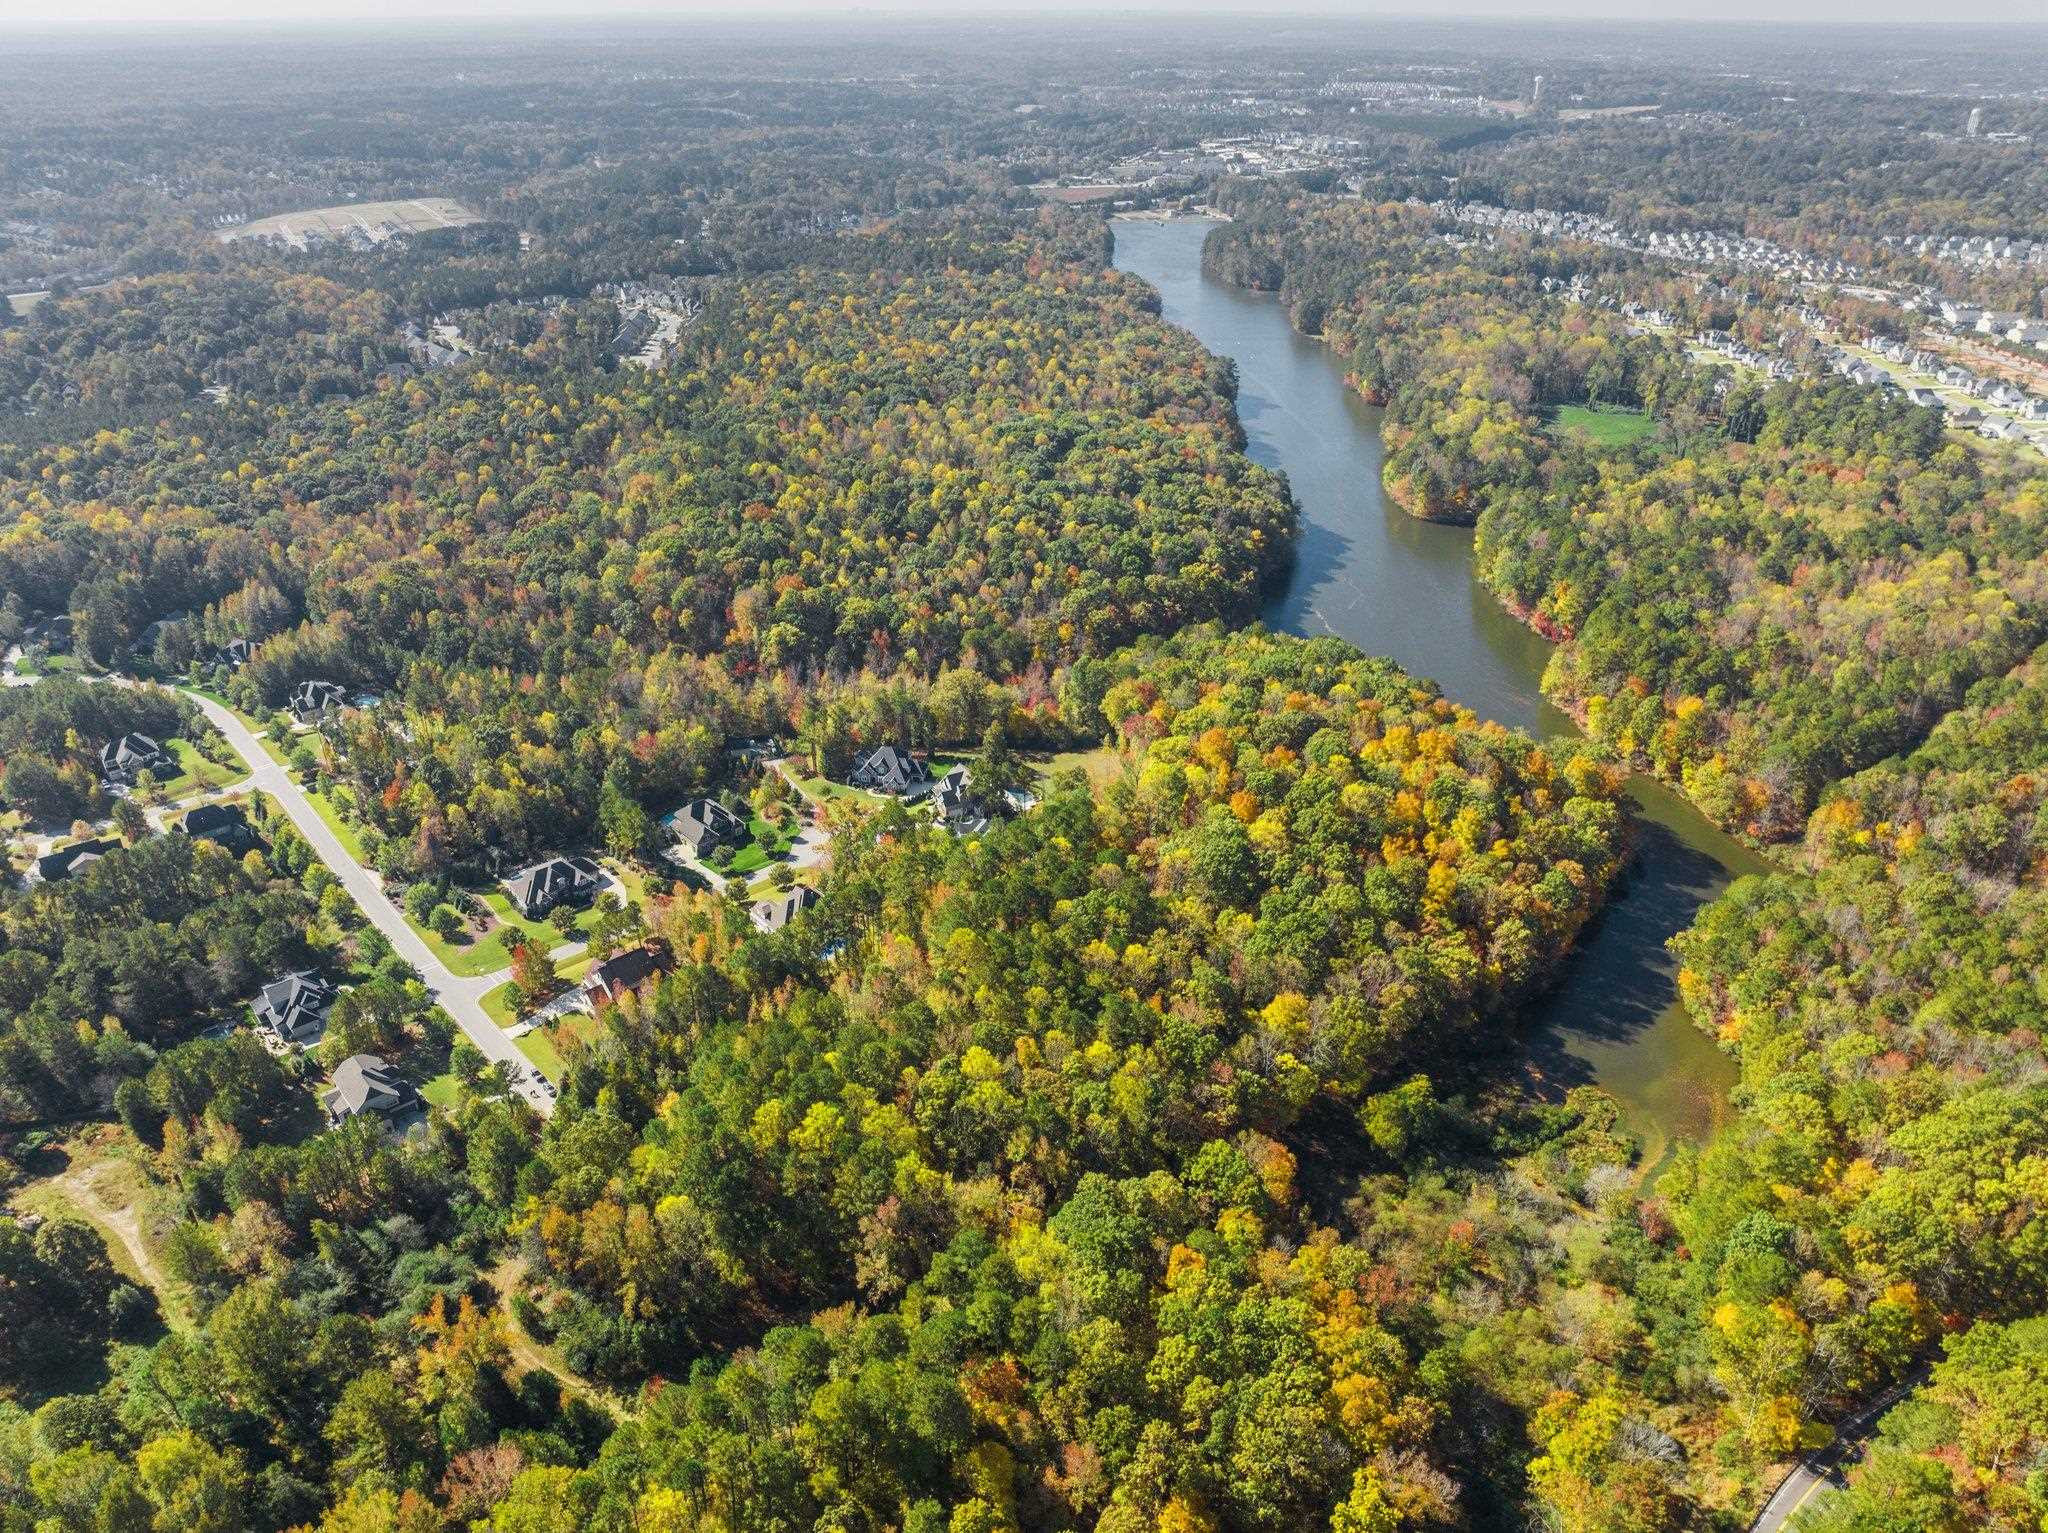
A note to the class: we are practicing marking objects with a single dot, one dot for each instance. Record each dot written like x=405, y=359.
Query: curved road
x=1826, y=1468
x=461, y=996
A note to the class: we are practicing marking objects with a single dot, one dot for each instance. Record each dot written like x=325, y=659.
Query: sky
x=94, y=14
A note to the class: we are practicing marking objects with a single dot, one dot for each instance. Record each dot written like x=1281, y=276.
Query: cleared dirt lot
x=376, y=220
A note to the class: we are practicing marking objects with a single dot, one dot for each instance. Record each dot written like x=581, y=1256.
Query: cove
x=1368, y=572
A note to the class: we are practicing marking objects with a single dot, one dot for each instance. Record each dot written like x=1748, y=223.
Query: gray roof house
x=778, y=910
x=126, y=759
x=55, y=867
x=233, y=655
x=704, y=825
x=622, y=972
x=889, y=769
x=954, y=804
x=294, y=1007
x=223, y=824
x=311, y=700
x=538, y=888
x=363, y=1083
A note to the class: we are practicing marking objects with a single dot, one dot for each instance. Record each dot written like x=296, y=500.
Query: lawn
x=198, y=775
x=330, y=815
x=492, y=950
x=502, y=1004
x=1605, y=425
x=541, y=1053
x=1102, y=765
x=48, y=665
x=768, y=843
x=442, y=1090
x=823, y=788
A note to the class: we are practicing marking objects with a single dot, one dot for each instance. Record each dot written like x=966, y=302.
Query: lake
x=1367, y=571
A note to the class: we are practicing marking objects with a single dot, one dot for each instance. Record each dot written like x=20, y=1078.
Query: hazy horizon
x=272, y=14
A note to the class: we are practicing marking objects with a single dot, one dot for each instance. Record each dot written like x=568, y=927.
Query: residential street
x=461, y=997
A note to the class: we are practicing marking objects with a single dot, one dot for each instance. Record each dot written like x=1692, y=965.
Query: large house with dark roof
x=223, y=824
x=295, y=1007
x=703, y=825
x=625, y=971
x=954, y=804
x=56, y=866
x=312, y=701
x=540, y=887
x=233, y=655
x=123, y=761
x=778, y=910
x=363, y=1083
x=889, y=769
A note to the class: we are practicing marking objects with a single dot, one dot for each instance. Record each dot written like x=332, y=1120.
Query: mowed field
x=376, y=219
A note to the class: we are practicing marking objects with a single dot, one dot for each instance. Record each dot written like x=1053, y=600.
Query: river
x=1367, y=571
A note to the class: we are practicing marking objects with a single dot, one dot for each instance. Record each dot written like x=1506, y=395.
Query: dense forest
x=1781, y=585
x=1787, y=582
x=1161, y=1150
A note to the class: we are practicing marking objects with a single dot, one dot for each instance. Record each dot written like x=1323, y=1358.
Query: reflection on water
x=1368, y=572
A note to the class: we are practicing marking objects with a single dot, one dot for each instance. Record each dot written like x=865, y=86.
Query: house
x=312, y=701
x=363, y=1083
x=538, y=888
x=146, y=642
x=1998, y=429
x=233, y=655
x=295, y=1006
x=1927, y=399
x=889, y=769
x=223, y=824
x=703, y=825
x=778, y=910
x=124, y=760
x=622, y=972
x=55, y=635
x=752, y=752
x=55, y=867
x=954, y=804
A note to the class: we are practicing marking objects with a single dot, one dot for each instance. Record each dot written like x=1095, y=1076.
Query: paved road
x=461, y=996
x=1826, y=1468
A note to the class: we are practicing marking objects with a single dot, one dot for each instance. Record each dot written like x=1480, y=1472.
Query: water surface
x=1367, y=571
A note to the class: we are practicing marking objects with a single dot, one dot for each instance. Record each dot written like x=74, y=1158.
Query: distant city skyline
x=23, y=15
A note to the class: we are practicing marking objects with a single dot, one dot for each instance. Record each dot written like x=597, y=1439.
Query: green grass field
x=542, y=1054
x=768, y=843
x=1606, y=425
x=491, y=951
x=330, y=815
x=198, y=775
